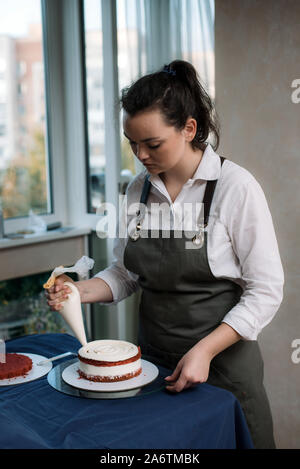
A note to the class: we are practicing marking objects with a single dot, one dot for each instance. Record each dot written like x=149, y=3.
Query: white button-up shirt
x=241, y=242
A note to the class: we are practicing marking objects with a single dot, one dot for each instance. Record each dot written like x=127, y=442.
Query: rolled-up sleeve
x=253, y=238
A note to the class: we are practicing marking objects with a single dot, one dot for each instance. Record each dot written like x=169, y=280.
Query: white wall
x=257, y=58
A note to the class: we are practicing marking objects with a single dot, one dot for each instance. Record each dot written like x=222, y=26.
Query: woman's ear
x=190, y=129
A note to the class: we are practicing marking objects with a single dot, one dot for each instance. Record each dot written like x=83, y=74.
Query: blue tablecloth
x=35, y=415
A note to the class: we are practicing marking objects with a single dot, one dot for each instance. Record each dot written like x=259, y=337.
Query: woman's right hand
x=58, y=293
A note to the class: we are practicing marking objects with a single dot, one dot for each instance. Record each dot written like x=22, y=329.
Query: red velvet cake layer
x=16, y=365
x=107, y=379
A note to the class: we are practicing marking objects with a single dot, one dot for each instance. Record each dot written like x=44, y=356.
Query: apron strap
x=207, y=199
x=146, y=190
x=208, y=195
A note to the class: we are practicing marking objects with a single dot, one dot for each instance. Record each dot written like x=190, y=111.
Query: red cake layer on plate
x=15, y=364
x=108, y=361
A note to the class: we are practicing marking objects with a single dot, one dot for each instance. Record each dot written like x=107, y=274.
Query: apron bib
x=182, y=302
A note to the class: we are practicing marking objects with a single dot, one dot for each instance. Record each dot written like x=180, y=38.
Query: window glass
x=94, y=102
x=24, y=175
x=131, y=65
x=24, y=309
x=191, y=24
x=197, y=38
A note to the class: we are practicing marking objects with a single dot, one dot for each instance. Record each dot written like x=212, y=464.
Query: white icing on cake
x=108, y=350
x=110, y=371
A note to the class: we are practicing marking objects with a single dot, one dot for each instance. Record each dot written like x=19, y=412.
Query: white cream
x=72, y=313
x=110, y=371
x=109, y=350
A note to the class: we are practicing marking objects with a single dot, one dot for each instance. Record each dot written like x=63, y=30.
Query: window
x=132, y=64
x=94, y=98
x=24, y=181
x=24, y=310
x=148, y=34
x=151, y=34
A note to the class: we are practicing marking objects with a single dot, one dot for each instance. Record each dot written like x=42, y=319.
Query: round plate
x=149, y=373
x=35, y=372
x=56, y=382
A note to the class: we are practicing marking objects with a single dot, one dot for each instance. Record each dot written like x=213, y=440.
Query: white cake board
x=35, y=372
x=149, y=373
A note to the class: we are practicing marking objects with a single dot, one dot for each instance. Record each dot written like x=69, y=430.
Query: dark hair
x=177, y=92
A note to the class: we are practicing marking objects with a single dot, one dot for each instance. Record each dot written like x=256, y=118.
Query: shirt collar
x=208, y=169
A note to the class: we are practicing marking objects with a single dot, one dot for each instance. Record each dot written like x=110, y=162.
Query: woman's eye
x=152, y=147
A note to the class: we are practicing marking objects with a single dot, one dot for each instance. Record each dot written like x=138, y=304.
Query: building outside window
x=24, y=176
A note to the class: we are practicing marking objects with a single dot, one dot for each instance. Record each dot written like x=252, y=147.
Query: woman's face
x=158, y=146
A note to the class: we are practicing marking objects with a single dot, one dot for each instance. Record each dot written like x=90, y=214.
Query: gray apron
x=182, y=302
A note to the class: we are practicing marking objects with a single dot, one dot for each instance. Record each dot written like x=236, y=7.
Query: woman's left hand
x=193, y=368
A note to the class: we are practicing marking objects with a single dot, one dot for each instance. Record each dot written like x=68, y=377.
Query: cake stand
x=86, y=389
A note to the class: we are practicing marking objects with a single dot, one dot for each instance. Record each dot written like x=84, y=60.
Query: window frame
x=67, y=139
x=54, y=138
x=75, y=112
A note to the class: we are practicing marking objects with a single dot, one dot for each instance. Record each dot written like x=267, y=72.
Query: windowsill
x=71, y=232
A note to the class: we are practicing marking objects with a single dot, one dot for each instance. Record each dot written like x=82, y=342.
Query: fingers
x=59, y=292
x=57, y=307
x=56, y=295
x=59, y=282
x=180, y=380
x=175, y=374
x=61, y=279
x=180, y=384
x=177, y=380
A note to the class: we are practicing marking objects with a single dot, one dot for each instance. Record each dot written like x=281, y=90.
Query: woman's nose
x=142, y=153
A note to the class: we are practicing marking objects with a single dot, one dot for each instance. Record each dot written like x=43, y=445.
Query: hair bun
x=176, y=91
x=167, y=69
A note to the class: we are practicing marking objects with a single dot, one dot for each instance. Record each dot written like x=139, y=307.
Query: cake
x=15, y=365
x=109, y=361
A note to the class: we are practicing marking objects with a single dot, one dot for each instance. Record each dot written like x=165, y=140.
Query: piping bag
x=71, y=308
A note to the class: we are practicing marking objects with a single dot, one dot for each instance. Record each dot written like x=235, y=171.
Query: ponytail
x=177, y=92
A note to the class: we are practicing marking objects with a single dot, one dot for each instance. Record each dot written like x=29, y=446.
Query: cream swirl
x=108, y=350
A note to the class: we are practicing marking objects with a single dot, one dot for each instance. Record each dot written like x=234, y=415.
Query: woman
x=208, y=291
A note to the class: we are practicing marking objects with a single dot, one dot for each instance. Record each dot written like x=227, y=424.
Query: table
x=35, y=415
